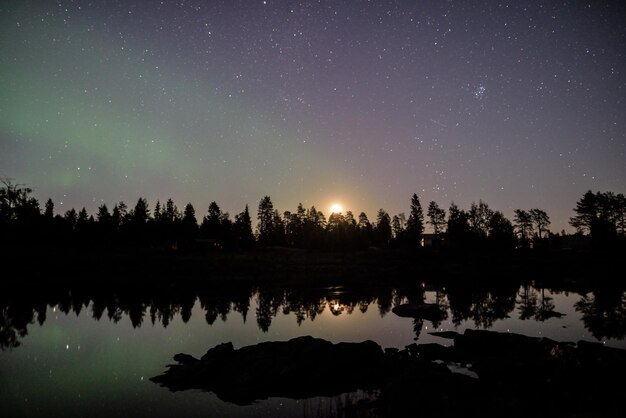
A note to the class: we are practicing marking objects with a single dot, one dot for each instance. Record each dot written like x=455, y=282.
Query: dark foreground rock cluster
x=299, y=368
x=517, y=376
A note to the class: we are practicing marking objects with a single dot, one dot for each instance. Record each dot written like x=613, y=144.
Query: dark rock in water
x=391, y=350
x=185, y=358
x=514, y=371
x=298, y=368
x=433, y=352
x=218, y=352
x=518, y=369
x=428, y=311
x=451, y=335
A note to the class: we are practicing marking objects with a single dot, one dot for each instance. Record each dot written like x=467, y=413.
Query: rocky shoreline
x=517, y=375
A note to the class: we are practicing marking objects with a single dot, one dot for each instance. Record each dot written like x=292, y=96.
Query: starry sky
x=521, y=104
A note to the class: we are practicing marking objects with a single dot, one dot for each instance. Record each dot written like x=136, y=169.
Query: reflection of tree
x=397, y=298
x=442, y=303
x=545, y=309
x=241, y=304
x=460, y=305
x=363, y=305
x=13, y=326
x=385, y=301
x=163, y=310
x=314, y=309
x=210, y=310
x=114, y=312
x=268, y=303
x=41, y=309
x=65, y=305
x=210, y=314
x=604, y=313
x=77, y=306
x=304, y=304
x=97, y=310
x=186, y=306
x=483, y=307
x=215, y=306
x=491, y=308
x=136, y=312
x=527, y=305
x=418, y=323
x=223, y=308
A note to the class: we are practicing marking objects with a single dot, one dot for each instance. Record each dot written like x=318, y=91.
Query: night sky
x=521, y=104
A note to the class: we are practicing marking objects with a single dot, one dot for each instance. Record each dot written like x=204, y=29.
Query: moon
x=336, y=208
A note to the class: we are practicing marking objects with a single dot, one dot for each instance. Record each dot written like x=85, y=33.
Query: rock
x=299, y=368
x=433, y=352
x=513, y=371
x=391, y=350
x=185, y=358
x=218, y=352
x=451, y=335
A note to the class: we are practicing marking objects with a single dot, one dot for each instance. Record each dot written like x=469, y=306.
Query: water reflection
x=604, y=314
x=603, y=311
x=535, y=304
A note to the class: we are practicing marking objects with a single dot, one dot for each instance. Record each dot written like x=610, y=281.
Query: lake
x=72, y=353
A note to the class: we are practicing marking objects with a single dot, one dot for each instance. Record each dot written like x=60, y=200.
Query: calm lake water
x=94, y=357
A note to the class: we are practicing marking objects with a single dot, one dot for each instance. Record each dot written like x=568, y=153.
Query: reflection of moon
x=336, y=208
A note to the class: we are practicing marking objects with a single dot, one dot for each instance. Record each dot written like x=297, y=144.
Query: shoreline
x=576, y=271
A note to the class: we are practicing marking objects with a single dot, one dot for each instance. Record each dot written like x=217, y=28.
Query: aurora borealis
x=361, y=102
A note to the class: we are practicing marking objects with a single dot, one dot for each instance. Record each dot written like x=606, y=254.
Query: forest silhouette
x=599, y=219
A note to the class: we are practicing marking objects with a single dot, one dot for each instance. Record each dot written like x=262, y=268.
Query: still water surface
x=76, y=365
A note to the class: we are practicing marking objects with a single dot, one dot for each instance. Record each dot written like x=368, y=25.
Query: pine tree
x=415, y=223
x=49, y=209
x=382, y=231
x=243, y=229
x=265, y=216
x=437, y=217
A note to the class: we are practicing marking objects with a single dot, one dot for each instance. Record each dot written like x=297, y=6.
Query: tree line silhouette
x=599, y=216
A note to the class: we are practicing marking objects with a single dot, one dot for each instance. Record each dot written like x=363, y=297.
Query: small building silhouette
x=430, y=240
